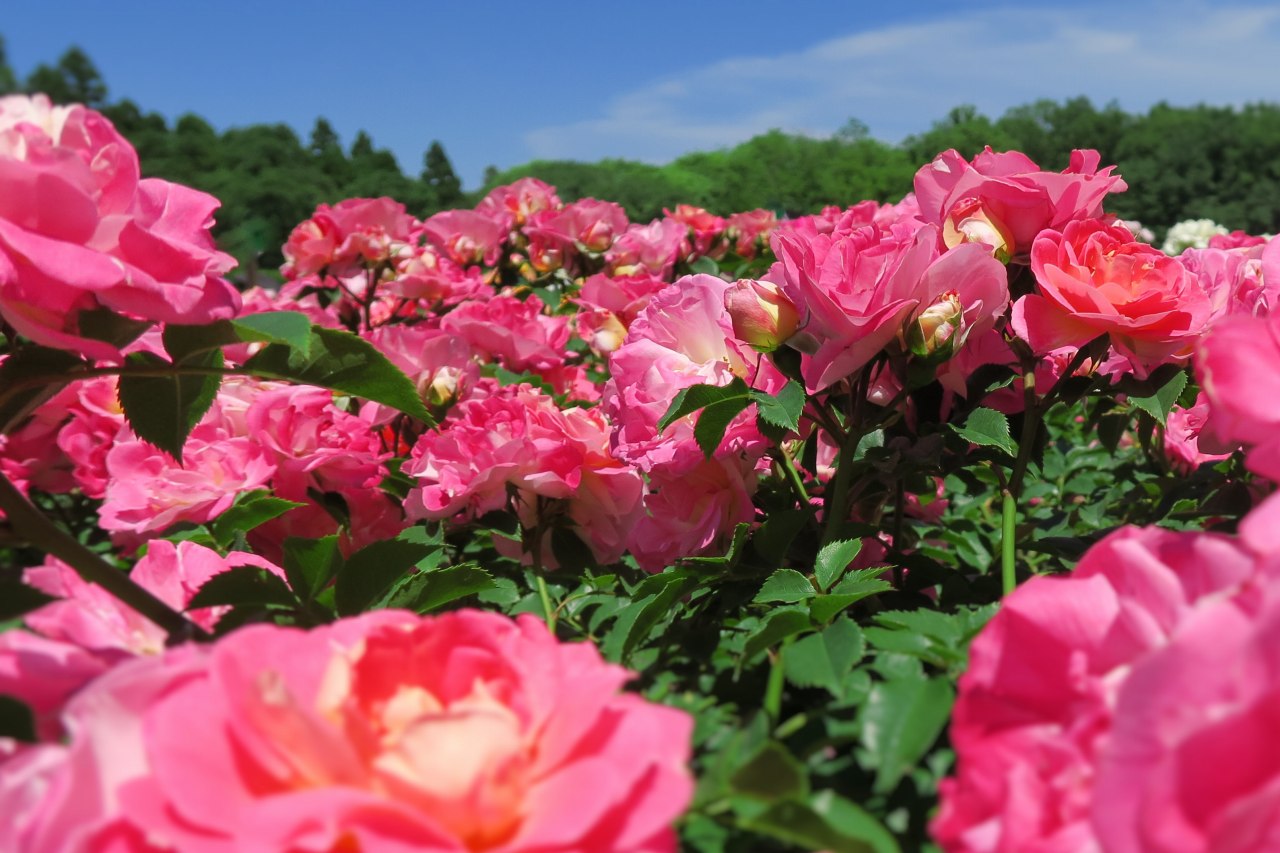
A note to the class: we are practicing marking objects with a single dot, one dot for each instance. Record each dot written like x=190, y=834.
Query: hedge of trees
x=1221, y=163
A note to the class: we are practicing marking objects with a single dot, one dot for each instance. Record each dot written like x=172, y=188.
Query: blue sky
x=503, y=82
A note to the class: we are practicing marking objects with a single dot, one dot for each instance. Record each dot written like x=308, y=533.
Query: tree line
x=1221, y=163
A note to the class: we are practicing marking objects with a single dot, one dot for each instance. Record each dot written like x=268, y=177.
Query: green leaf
x=900, y=721
x=797, y=823
x=785, y=585
x=696, y=397
x=704, y=265
x=823, y=660
x=371, y=571
x=833, y=559
x=343, y=362
x=714, y=420
x=250, y=510
x=45, y=367
x=428, y=591
x=774, y=537
x=852, y=821
x=162, y=410
x=103, y=324
x=288, y=328
x=243, y=585
x=851, y=590
x=781, y=625
x=783, y=409
x=987, y=428
x=310, y=564
x=18, y=599
x=771, y=774
x=1160, y=403
x=656, y=606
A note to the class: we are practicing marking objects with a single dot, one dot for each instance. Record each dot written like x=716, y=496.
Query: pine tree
x=442, y=182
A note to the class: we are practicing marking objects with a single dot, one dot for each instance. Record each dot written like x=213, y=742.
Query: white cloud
x=900, y=78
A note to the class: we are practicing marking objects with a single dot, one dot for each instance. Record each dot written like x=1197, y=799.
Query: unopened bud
x=970, y=222
x=443, y=386
x=935, y=333
x=762, y=317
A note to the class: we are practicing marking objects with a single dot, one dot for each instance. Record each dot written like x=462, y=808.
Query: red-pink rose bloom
x=388, y=732
x=705, y=231
x=517, y=333
x=87, y=631
x=608, y=304
x=857, y=290
x=514, y=203
x=340, y=239
x=652, y=248
x=1010, y=189
x=467, y=237
x=1093, y=278
x=1182, y=437
x=80, y=231
x=1034, y=718
x=515, y=439
x=749, y=231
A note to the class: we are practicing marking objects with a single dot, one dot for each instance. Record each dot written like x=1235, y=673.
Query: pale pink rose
x=652, y=248
x=516, y=202
x=858, y=289
x=608, y=304
x=319, y=450
x=89, y=630
x=440, y=364
x=87, y=437
x=80, y=231
x=1033, y=721
x=352, y=233
x=691, y=512
x=1182, y=437
x=1093, y=278
x=147, y=491
x=517, y=333
x=466, y=237
x=683, y=337
x=749, y=231
x=422, y=272
x=1233, y=280
x=388, y=731
x=1009, y=189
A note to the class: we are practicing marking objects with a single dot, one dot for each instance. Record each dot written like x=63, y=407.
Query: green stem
x=773, y=690
x=41, y=533
x=1008, y=543
x=545, y=595
x=793, y=477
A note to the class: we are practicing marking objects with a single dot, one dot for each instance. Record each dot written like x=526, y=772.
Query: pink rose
x=388, y=731
x=467, y=237
x=1033, y=721
x=652, y=248
x=80, y=231
x=749, y=231
x=338, y=240
x=87, y=631
x=1093, y=278
x=514, y=203
x=1012, y=194
x=1182, y=437
x=517, y=333
x=858, y=290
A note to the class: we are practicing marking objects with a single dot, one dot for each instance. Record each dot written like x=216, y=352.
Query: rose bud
x=934, y=334
x=762, y=317
x=970, y=222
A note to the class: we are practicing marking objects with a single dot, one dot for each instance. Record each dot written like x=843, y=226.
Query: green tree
x=8, y=80
x=442, y=183
x=75, y=79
